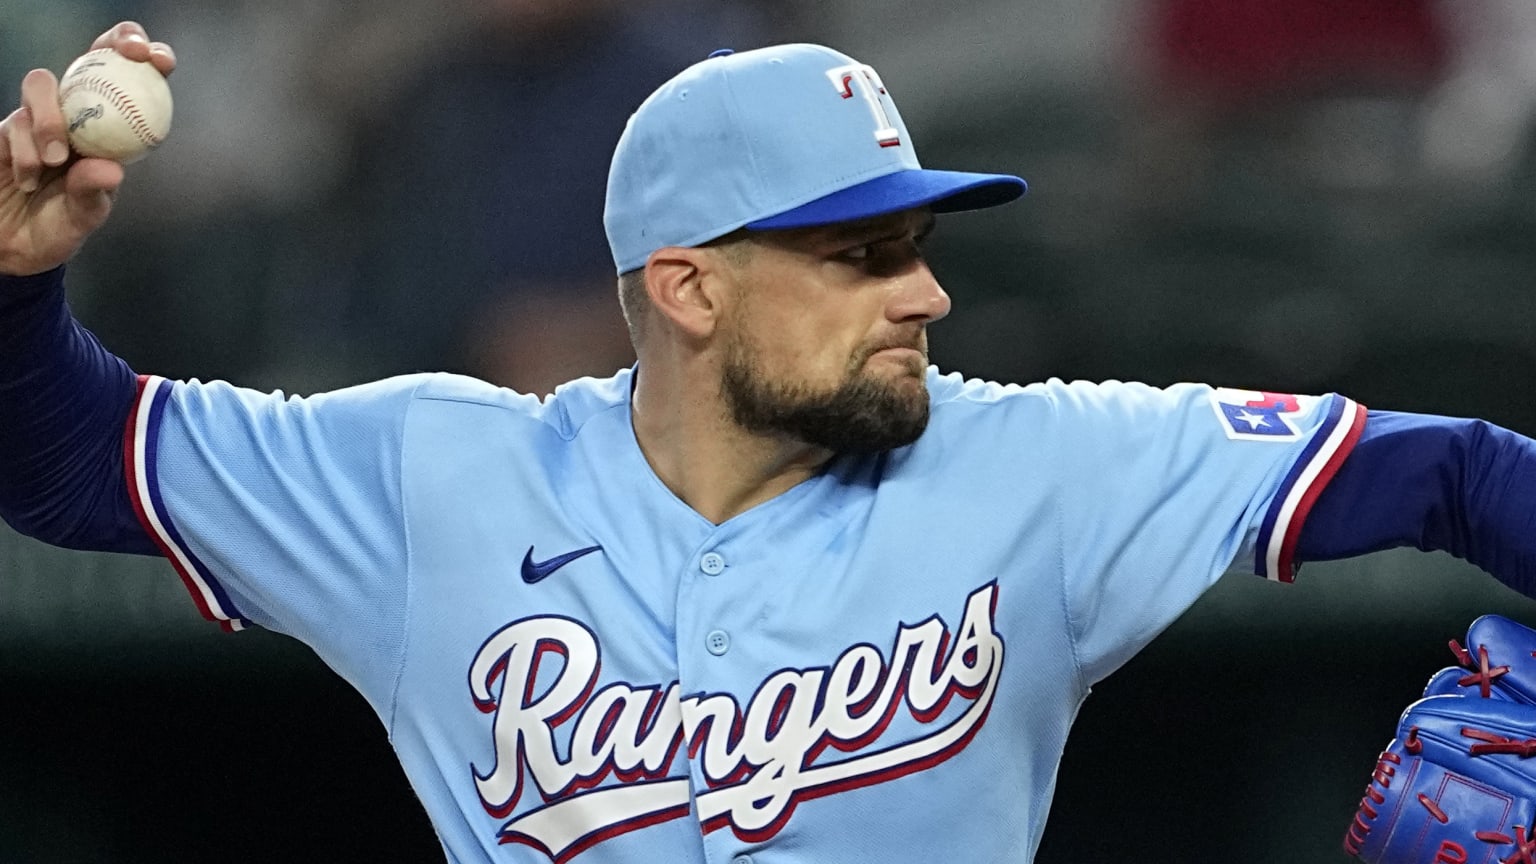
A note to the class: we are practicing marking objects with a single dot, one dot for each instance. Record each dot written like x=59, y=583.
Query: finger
x=25, y=163
x=163, y=57
x=118, y=31
x=40, y=96
x=126, y=38
x=5, y=142
x=6, y=179
x=89, y=189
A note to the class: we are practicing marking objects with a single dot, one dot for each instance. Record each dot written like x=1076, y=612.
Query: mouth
x=906, y=350
x=902, y=360
x=902, y=353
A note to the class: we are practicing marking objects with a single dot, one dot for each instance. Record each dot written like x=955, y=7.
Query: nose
x=919, y=298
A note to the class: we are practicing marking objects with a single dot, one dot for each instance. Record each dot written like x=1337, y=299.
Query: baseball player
x=782, y=592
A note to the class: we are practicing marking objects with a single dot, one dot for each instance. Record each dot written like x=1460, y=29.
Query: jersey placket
x=722, y=587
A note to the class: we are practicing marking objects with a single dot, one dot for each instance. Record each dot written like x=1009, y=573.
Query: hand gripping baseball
x=1458, y=783
x=50, y=201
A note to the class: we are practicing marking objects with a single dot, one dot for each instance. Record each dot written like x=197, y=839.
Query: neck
x=705, y=458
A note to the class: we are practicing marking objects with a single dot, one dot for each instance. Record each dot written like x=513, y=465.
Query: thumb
x=89, y=188
x=1496, y=643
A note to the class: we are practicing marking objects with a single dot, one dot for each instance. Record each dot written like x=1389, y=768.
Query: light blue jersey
x=879, y=665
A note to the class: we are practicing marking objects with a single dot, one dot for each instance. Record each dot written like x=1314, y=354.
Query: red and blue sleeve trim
x=1309, y=476
x=139, y=461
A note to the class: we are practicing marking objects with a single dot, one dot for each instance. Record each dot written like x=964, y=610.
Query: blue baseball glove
x=1458, y=783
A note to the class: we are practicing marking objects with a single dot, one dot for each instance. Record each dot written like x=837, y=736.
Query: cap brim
x=944, y=191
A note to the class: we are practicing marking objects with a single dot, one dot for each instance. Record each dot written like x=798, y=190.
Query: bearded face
x=824, y=339
x=869, y=411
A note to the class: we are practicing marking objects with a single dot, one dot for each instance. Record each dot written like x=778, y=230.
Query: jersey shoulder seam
x=990, y=393
x=552, y=413
x=575, y=428
x=1059, y=517
x=410, y=582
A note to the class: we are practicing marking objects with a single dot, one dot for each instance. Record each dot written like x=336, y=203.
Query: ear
x=687, y=287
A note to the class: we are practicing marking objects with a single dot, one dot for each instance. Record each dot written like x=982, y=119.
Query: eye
x=862, y=252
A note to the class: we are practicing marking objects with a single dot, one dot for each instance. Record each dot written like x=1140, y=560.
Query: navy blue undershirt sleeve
x=64, y=401
x=1466, y=487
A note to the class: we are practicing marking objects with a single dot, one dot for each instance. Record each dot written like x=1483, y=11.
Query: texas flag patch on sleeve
x=1258, y=415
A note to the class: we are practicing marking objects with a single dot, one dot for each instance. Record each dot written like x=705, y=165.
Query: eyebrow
x=879, y=228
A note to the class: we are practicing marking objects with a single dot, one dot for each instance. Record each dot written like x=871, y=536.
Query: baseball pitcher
x=782, y=591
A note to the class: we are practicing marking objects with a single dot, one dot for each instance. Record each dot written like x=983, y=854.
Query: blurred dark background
x=1307, y=195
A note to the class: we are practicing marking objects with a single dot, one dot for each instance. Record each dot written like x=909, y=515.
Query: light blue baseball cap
x=787, y=136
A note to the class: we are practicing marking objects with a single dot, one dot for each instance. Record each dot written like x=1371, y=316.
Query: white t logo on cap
x=859, y=76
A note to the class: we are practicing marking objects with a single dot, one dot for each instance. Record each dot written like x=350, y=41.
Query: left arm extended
x=1466, y=487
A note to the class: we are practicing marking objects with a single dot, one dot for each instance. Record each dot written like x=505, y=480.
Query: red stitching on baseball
x=120, y=100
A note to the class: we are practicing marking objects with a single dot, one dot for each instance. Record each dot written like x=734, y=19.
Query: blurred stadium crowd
x=1299, y=195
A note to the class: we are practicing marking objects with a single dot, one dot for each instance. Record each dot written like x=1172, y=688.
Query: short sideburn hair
x=634, y=303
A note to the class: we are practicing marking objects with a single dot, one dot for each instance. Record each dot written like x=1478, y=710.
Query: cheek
x=811, y=336
x=801, y=358
x=825, y=352
x=792, y=351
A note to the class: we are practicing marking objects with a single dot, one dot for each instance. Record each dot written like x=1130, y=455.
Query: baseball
x=115, y=108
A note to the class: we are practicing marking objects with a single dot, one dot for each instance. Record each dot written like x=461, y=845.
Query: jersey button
x=742, y=859
x=712, y=564
x=718, y=642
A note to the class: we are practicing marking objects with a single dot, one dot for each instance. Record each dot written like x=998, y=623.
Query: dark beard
x=863, y=415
